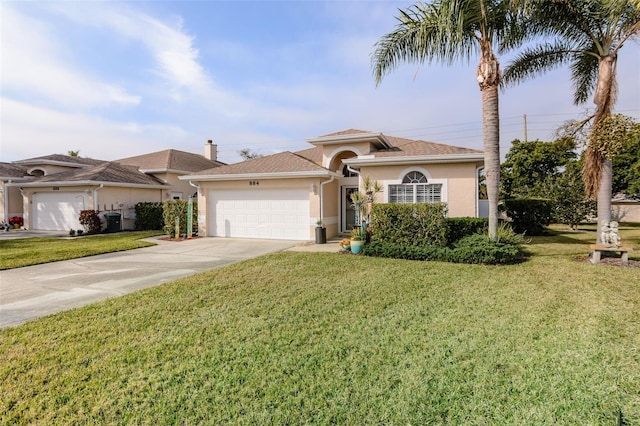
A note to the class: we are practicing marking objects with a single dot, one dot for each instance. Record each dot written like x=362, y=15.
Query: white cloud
x=35, y=65
x=31, y=131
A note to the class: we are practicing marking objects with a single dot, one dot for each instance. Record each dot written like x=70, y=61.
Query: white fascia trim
x=415, y=159
x=88, y=183
x=178, y=172
x=52, y=163
x=356, y=137
x=246, y=176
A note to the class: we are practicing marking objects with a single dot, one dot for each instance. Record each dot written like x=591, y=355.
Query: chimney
x=211, y=151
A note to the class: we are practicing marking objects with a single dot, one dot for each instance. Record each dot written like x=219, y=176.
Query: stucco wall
x=123, y=200
x=177, y=185
x=458, y=179
x=10, y=202
x=626, y=211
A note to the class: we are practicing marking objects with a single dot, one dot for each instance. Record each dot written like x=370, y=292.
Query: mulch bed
x=177, y=240
x=616, y=261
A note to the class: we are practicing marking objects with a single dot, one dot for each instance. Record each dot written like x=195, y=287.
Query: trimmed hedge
x=475, y=249
x=178, y=208
x=410, y=224
x=459, y=227
x=149, y=216
x=529, y=215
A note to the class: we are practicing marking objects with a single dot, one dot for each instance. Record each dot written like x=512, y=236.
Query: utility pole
x=525, y=126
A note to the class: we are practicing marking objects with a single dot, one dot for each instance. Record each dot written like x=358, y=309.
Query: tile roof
x=314, y=154
x=60, y=158
x=347, y=132
x=402, y=147
x=283, y=162
x=106, y=172
x=171, y=159
x=8, y=170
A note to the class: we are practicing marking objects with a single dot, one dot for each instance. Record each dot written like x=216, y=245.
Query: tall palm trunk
x=598, y=170
x=604, y=196
x=488, y=76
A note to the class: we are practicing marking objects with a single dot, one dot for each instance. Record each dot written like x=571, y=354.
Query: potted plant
x=357, y=240
x=321, y=232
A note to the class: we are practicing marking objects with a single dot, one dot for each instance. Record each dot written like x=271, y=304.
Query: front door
x=347, y=210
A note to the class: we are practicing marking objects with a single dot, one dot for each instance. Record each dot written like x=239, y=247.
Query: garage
x=271, y=214
x=58, y=211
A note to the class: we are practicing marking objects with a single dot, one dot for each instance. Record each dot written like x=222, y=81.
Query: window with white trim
x=415, y=189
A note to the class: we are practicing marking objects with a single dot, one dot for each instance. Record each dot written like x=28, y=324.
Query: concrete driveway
x=34, y=291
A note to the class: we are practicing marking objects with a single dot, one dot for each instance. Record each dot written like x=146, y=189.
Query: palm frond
x=584, y=75
x=537, y=60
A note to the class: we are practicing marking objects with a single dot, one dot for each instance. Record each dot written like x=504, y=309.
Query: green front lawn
x=33, y=251
x=323, y=338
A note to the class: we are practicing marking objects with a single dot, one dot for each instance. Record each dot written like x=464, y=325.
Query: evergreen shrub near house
x=474, y=249
x=459, y=227
x=529, y=215
x=173, y=209
x=410, y=224
x=90, y=221
x=149, y=216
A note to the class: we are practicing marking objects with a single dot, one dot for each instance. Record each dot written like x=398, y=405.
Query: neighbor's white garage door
x=271, y=214
x=57, y=211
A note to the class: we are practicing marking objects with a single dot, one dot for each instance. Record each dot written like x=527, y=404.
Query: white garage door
x=58, y=211
x=271, y=214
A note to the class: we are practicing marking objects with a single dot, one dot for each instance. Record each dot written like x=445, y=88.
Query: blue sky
x=117, y=79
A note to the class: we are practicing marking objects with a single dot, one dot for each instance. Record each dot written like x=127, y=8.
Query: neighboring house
x=281, y=196
x=625, y=209
x=52, y=190
x=10, y=198
x=169, y=164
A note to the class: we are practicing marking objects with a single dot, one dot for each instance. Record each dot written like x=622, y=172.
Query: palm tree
x=587, y=34
x=450, y=30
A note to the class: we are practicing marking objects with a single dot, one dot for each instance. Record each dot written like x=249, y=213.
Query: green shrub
x=149, y=216
x=529, y=215
x=459, y=227
x=90, y=220
x=479, y=248
x=173, y=209
x=410, y=224
x=476, y=249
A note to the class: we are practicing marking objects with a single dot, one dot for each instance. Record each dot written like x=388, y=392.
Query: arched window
x=415, y=189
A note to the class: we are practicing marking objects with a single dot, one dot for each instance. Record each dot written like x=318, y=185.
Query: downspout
x=5, y=201
x=322, y=184
x=95, y=196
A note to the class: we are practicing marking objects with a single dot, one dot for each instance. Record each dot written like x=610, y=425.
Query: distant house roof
x=11, y=171
x=283, y=164
x=170, y=160
x=61, y=160
x=109, y=173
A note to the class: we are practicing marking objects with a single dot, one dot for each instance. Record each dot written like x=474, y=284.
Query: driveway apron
x=34, y=291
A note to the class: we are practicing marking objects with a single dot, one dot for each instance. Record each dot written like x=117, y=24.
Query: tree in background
x=587, y=34
x=450, y=30
x=247, y=154
x=550, y=170
x=626, y=165
x=530, y=166
x=73, y=153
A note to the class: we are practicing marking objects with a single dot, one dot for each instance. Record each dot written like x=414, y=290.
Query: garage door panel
x=58, y=211
x=273, y=214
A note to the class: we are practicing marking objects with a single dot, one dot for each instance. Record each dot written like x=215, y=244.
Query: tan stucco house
x=53, y=189
x=282, y=196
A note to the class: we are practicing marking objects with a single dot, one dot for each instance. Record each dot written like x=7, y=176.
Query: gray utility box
x=113, y=221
